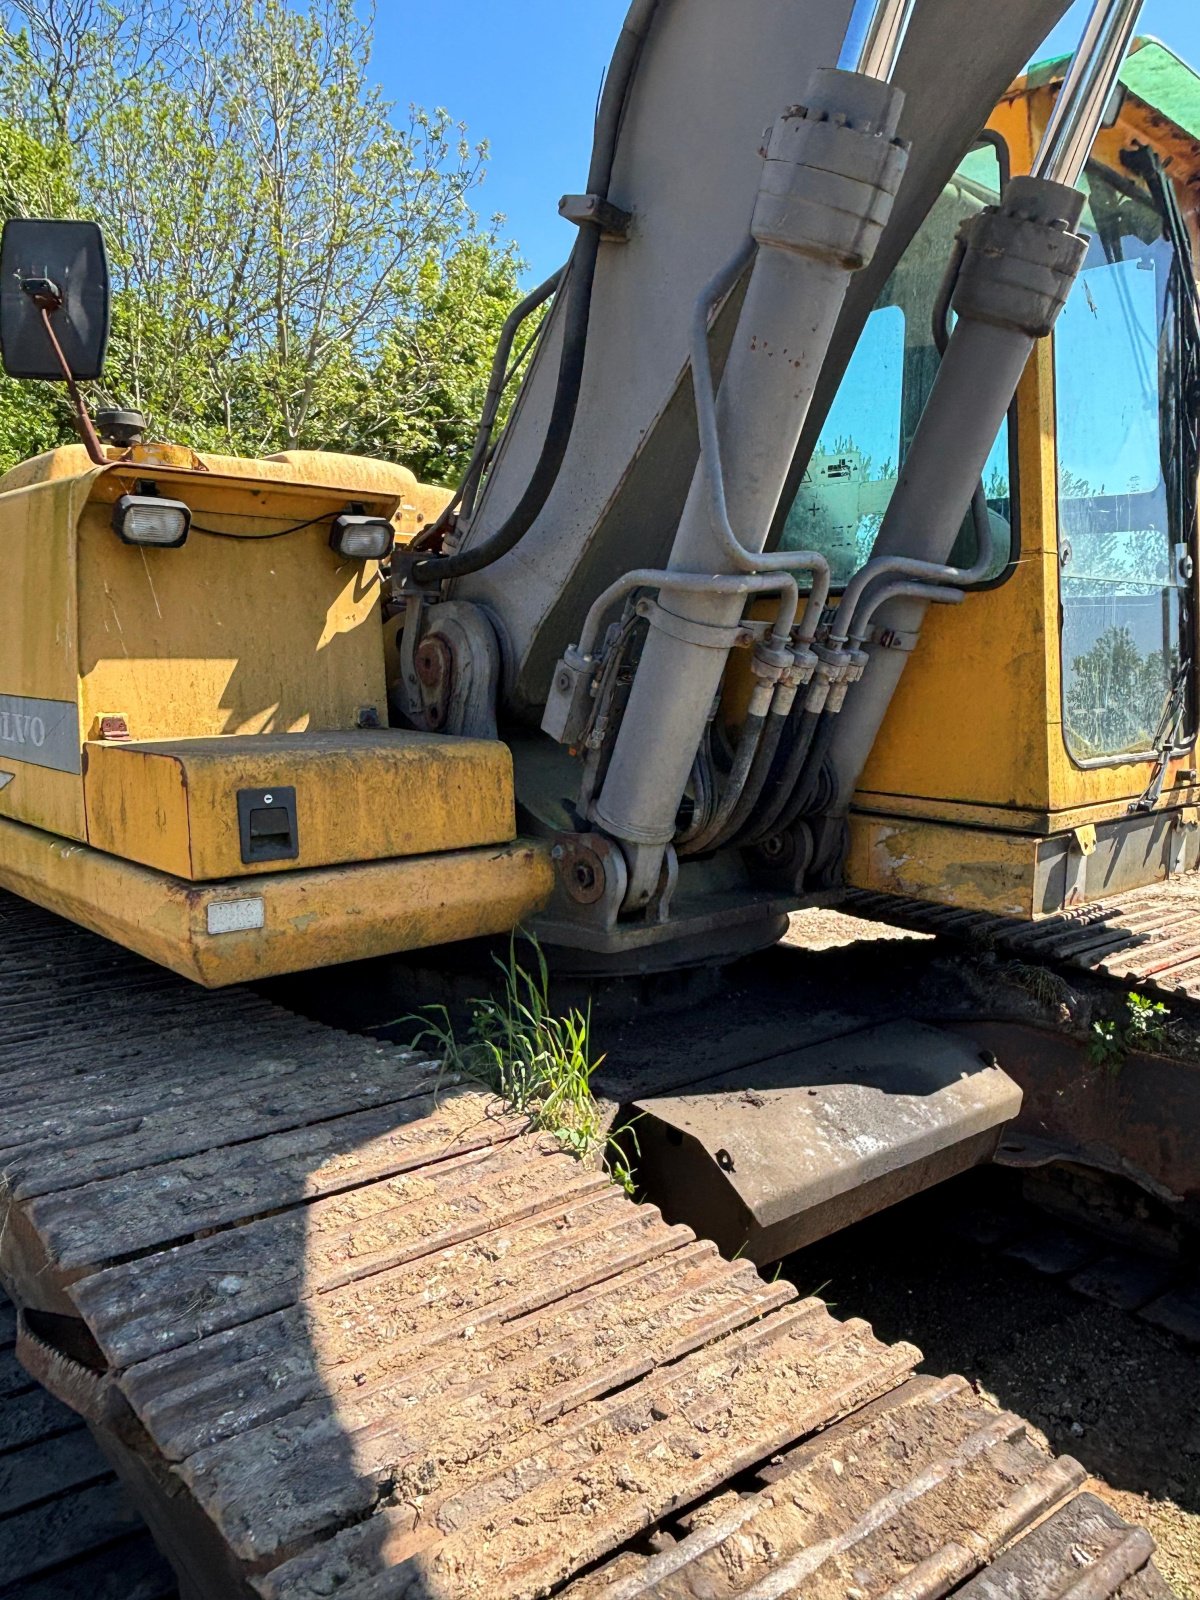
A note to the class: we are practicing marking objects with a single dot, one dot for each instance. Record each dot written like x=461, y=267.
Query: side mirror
x=53, y=275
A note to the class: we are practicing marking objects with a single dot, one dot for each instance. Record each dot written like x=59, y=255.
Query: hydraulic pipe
x=496, y=385
x=832, y=170
x=723, y=584
x=1083, y=99
x=861, y=599
x=874, y=37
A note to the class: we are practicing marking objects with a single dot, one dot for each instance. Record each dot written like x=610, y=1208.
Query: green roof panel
x=1153, y=73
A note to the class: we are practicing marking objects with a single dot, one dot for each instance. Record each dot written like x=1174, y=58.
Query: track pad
x=774, y=1156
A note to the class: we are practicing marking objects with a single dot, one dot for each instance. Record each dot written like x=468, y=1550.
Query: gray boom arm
x=713, y=76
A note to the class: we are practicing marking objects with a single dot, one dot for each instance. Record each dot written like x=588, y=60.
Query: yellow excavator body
x=146, y=690
x=194, y=752
x=344, y=1320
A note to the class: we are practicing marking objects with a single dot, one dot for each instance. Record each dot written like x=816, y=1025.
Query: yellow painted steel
x=975, y=730
x=39, y=638
x=415, y=503
x=242, y=634
x=985, y=871
x=362, y=796
x=310, y=919
x=1042, y=822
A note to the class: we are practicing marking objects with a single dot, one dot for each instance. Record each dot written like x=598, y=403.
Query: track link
x=1150, y=938
x=347, y=1327
x=68, y=1530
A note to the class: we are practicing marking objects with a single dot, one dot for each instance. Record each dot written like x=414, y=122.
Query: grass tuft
x=540, y=1063
x=1046, y=987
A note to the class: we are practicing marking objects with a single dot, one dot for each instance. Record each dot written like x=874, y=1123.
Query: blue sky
x=525, y=75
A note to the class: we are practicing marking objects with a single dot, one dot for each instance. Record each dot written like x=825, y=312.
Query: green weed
x=1107, y=1047
x=1147, y=1026
x=538, y=1062
x=1144, y=1028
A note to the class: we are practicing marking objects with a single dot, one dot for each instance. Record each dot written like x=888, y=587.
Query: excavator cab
x=1062, y=765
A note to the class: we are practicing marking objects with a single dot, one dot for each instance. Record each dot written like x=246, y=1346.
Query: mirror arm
x=87, y=430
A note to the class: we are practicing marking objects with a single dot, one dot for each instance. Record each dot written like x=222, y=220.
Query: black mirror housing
x=68, y=260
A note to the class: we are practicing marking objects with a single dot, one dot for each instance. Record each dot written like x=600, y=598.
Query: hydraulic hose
x=785, y=785
x=497, y=383
x=803, y=800
x=794, y=792
x=738, y=804
x=580, y=284
x=749, y=742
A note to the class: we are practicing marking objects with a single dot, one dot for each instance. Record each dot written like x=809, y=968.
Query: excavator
x=838, y=547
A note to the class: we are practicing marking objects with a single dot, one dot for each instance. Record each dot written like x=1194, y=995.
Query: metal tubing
x=720, y=584
x=937, y=594
x=874, y=37
x=1083, y=99
x=848, y=626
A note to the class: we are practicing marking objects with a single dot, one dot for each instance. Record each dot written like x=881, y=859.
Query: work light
x=148, y=519
x=362, y=538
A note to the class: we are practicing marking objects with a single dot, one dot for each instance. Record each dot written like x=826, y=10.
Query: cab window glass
x=1124, y=569
x=867, y=431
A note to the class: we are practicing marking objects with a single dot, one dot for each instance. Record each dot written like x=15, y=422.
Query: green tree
x=33, y=178
x=286, y=247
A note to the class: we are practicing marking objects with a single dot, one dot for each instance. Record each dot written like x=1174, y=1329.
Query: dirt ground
x=1117, y=1394
x=1101, y=1385
x=822, y=929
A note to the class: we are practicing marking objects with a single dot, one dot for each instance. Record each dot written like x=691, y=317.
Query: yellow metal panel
x=362, y=796
x=137, y=806
x=413, y=504
x=309, y=919
x=949, y=866
x=39, y=638
x=969, y=719
x=1011, y=820
x=226, y=635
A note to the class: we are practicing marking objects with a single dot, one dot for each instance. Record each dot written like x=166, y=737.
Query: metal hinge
x=1080, y=846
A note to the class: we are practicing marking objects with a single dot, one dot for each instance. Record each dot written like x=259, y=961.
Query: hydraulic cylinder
x=832, y=170
x=1022, y=257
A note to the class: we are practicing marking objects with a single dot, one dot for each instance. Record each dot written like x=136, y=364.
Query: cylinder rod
x=874, y=37
x=1083, y=99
